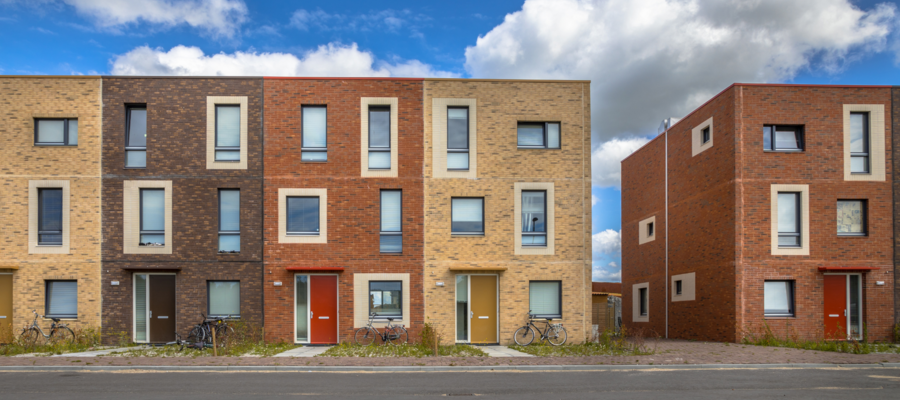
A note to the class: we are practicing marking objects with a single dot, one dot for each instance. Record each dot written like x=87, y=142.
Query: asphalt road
x=876, y=383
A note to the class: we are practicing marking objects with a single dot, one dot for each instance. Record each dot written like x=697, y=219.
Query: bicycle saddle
x=55, y=319
x=390, y=319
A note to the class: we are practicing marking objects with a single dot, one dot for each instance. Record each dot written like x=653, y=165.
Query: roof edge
x=507, y=80
x=52, y=76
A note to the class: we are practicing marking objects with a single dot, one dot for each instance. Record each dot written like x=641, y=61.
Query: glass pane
x=140, y=308
x=457, y=160
x=391, y=243
x=302, y=309
x=379, y=160
x=303, y=214
x=534, y=240
x=786, y=139
x=777, y=297
x=50, y=209
x=533, y=218
x=228, y=126
x=385, y=298
x=544, y=298
x=137, y=127
x=644, y=301
x=553, y=135
x=153, y=210
x=51, y=131
x=787, y=213
x=229, y=210
x=390, y=210
x=855, y=304
x=767, y=137
x=49, y=239
x=531, y=134
x=787, y=241
x=153, y=240
x=457, y=128
x=73, y=132
x=850, y=216
x=136, y=158
x=62, y=298
x=313, y=155
x=230, y=243
x=859, y=164
x=380, y=128
x=224, y=298
x=228, y=155
x=857, y=132
x=467, y=215
x=462, y=307
x=314, y=126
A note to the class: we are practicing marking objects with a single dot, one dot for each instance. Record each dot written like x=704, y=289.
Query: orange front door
x=836, y=307
x=323, y=316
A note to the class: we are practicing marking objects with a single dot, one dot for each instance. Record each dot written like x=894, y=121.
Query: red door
x=835, y=307
x=323, y=321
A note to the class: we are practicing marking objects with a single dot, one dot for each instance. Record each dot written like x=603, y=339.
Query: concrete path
x=101, y=352
x=503, y=351
x=305, y=351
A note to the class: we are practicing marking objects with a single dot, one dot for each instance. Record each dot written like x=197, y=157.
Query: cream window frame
x=550, y=249
x=642, y=230
x=364, y=103
x=283, y=194
x=33, y=246
x=876, y=142
x=803, y=250
x=361, y=299
x=697, y=145
x=439, y=138
x=636, y=304
x=688, y=287
x=211, y=103
x=131, y=217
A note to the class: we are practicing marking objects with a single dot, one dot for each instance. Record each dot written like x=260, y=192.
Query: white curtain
x=225, y=298
x=62, y=298
x=544, y=298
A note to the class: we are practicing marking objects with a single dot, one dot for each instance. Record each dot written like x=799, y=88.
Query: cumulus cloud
x=332, y=60
x=610, y=273
x=594, y=200
x=218, y=18
x=606, y=167
x=607, y=243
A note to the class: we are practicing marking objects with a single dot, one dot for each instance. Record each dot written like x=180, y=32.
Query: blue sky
x=647, y=59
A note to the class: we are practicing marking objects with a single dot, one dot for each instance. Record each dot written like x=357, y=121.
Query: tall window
x=379, y=137
x=705, y=135
x=467, y=216
x=650, y=230
x=534, y=218
x=386, y=299
x=61, y=299
x=458, y=138
x=538, y=135
x=859, y=143
x=779, y=298
x=229, y=221
x=782, y=138
x=228, y=132
x=851, y=217
x=545, y=299
x=136, y=137
x=223, y=298
x=314, y=145
x=788, y=219
x=153, y=217
x=391, y=221
x=56, y=132
x=643, y=297
x=302, y=216
x=50, y=217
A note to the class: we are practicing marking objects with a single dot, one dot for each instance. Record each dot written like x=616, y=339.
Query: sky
x=647, y=59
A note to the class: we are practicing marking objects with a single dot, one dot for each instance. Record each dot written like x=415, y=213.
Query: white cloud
x=331, y=60
x=610, y=273
x=594, y=200
x=606, y=160
x=607, y=243
x=218, y=18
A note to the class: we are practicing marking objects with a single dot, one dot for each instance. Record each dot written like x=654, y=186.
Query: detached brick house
x=768, y=206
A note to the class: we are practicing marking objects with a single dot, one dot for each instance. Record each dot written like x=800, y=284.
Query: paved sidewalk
x=101, y=352
x=502, y=351
x=305, y=351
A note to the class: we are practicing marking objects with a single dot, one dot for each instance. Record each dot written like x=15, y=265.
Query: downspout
x=666, y=282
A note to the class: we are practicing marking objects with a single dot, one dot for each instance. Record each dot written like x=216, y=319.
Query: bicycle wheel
x=28, y=337
x=365, y=336
x=223, y=333
x=62, y=335
x=197, y=335
x=524, y=336
x=398, y=336
x=557, y=335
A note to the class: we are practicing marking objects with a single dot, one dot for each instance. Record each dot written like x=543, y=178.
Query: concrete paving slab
x=503, y=351
x=305, y=351
x=101, y=352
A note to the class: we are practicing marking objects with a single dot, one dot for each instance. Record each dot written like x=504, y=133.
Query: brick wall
x=895, y=147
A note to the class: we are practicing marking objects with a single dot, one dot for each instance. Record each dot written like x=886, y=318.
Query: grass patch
x=86, y=339
x=403, y=350
x=766, y=337
x=607, y=343
x=247, y=340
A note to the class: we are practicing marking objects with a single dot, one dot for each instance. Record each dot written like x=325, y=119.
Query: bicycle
x=553, y=333
x=393, y=334
x=59, y=332
x=202, y=332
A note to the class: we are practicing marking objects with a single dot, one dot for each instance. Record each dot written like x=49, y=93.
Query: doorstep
x=502, y=351
x=304, y=351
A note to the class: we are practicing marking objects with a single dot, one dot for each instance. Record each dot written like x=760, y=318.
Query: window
x=779, y=298
x=538, y=135
x=534, y=218
x=56, y=132
x=379, y=137
x=302, y=216
x=391, y=221
x=314, y=134
x=645, y=301
x=704, y=135
x=136, y=137
x=859, y=143
x=458, y=138
x=62, y=299
x=788, y=219
x=223, y=299
x=467, y=216
x=386, y=299
x=229, y=221
x=678, y=287
x=650, y=229
x=851, y=217
x=545, y=299
x=228, y=132
x=783, y=138
x=153, y=217
x=50, y=217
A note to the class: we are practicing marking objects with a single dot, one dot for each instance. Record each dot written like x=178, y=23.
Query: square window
x=56, y=132
x=302, y=216
x=545, y=299
x=643, y=297
x=224, y=299
x=782, y=138
x=678, y=287
x=386, y=299
x=391, y=221
x=538, y=135
x=228, y=132
x=779, y=298
x=61, y=299
x=851, y=217
x=467, y=216
x=314, y=135
x=50, y=217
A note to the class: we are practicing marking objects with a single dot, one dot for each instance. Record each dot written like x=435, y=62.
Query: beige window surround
x=211, y=103
x=636, y=302
x=688, y=287
x=550, y=249
x=361, y=298
x=33, y=247
x=697, y=145
x=439, y=138
x=283, y=194
x=876, y=142
x=643, y=237
x=131, y=217
x=365, y=102
x=803, y=250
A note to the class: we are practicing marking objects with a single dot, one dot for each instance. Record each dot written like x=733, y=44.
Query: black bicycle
x=553, y=333
x=201, y=335
x=393, y=334
x=59, y=332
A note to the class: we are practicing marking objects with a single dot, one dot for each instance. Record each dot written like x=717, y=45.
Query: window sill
x=853, y=235
x=229, y=253
x=779, y=317
x=54, y=145
x=538, y=148
x=49, y=245
x=314, y=162
x=860, y=173
x=462, y=235
x=784, y=151
x=134, y=168
x=391, y=253
x=66, y=318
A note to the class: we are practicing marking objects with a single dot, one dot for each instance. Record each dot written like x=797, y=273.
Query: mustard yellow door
x=6, y=307
x=483, y=305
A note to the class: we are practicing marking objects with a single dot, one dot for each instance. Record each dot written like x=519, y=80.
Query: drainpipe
x=666, y=284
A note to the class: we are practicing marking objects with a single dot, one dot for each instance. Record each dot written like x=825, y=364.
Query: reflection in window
x=534, y=218
x=385, y=298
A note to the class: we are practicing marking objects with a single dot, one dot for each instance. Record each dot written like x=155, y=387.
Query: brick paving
x=668, y=352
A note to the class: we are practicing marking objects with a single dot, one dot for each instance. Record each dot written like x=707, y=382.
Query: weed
x=403, y=350
x=764, y=336
x=86, y=338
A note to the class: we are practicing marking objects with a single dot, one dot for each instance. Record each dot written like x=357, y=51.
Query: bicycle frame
x=388, y=328
x=53, y=326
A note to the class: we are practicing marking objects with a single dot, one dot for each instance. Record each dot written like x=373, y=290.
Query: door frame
x=134, y=303
x=469, y=305
x=846, y=276
x=308, y=320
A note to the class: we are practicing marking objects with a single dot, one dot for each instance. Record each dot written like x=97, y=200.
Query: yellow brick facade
x=23, y=99
x=500, y=165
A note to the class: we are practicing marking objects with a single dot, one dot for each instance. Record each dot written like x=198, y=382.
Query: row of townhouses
x=136, y=204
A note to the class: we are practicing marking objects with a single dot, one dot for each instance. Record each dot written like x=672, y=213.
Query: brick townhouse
x=770, y=206
x=50, y=200
x=182, y=203
x=507, y=207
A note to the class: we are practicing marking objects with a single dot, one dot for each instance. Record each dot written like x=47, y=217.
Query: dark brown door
x=162, y=308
